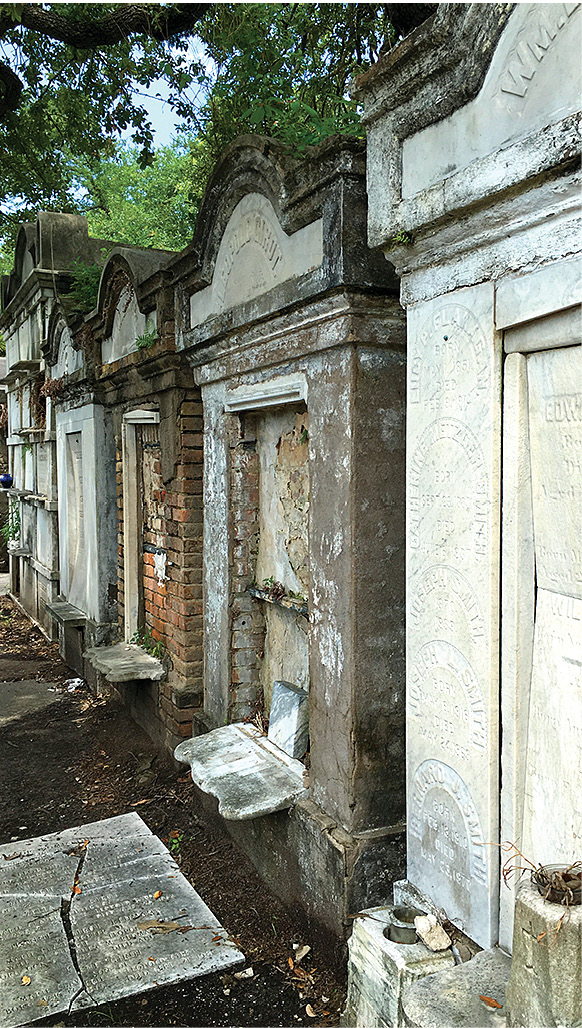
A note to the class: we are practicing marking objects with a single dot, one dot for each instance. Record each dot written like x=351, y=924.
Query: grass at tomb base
x=82, y=760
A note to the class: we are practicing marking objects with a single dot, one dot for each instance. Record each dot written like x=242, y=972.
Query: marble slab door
x=541, y=805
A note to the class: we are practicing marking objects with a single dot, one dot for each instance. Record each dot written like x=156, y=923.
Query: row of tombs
x=219, y=472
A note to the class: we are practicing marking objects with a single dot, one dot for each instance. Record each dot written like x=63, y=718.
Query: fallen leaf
x=541, y=936
x=162, y=927
x=310, y=1011
x=157, y=894
x=11, y=856
x=326, y=1013
x=153, y=959
x=42, y=1003
x=217, y=938
x=175, y=834
x=290, y=962
x=76, y=889
x=25, y=980
x=491, y=1002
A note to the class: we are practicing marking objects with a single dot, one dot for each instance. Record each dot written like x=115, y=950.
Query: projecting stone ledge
x=125, y=662
x=248, y=774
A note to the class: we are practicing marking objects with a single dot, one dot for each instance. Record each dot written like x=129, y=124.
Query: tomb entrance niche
x=270, y=548
x=143, y=551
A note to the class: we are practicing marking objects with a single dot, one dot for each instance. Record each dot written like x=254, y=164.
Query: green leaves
x=283, y=70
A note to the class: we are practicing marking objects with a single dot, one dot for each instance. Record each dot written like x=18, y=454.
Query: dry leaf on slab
x=25, y=980
x=163, y=927
x=491, y=1002
x=11, y=856
x=157, y=894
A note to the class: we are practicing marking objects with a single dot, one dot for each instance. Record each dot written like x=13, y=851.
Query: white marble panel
x=525, y=89
x=453, y=489
x=128, y=323
x=43, y=468
x=87, y=511
x=77, y=563
x=555, y=403
x=520, y=298
x=254, y=256
x=552, y=829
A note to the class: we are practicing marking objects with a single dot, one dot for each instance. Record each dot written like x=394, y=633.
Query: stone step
x=451, y=998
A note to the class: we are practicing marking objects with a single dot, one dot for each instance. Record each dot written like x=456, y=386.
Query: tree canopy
x=73, y=79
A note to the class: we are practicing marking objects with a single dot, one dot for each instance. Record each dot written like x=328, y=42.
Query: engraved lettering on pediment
x=534, y=42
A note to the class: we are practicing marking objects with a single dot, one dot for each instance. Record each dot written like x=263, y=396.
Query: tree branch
x=160, y=23
x=10, y=89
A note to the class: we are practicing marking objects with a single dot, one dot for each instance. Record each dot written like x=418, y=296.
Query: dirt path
x=80, y=760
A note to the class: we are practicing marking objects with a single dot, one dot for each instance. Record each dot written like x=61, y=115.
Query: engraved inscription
x=553, y=798
x=447, y=477
x=443, y=597
x=256, y=228
x=455, y=337
x=443, y=692
x=535, y=40
x=444, y=818
x=556, y=463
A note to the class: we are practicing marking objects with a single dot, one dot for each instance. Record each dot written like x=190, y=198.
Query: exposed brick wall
x=247, y=620
x=172, y=607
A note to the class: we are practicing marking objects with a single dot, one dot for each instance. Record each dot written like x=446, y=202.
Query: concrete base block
x=545, y=987
x=379, y=971
x=452, y=999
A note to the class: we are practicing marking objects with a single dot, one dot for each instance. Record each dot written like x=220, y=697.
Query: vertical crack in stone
x=66, y=903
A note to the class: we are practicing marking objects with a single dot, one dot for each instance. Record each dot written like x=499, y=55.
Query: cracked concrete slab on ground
x=73, y=906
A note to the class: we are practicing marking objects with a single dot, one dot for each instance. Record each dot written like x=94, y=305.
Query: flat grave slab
x=248, y=774
x=80, y=923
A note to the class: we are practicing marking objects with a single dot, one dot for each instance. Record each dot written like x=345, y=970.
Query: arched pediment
x=254, y=256
x=122, y=318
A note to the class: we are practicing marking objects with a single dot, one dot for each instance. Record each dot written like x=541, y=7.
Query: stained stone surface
x=544, y=986
x=254, y=256
x=289, y=718
x=452, y=502
x=451, y=999
x=380, y=971
x=244, y=770
x=125, y=662
x=82, y=949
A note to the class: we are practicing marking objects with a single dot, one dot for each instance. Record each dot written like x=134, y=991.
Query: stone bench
x=252, y=774
x=125, y=662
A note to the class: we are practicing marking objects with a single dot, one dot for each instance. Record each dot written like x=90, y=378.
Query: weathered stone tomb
x=294, y=334
x=474, y=194
x=45, y=257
